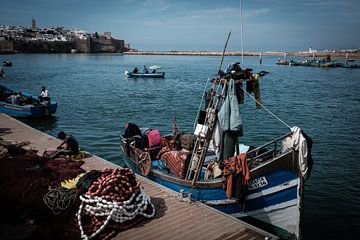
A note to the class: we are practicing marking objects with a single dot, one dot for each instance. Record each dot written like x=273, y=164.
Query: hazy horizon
x=164, y=25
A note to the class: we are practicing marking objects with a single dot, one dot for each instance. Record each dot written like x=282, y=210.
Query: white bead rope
x=119, y=212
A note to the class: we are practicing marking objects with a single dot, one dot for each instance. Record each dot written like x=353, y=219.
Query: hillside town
x=57, y=39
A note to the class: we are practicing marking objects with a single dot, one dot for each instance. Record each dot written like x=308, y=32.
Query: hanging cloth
x=300, y=145
x=256, y=84
x=236, y=176
x=229, y=115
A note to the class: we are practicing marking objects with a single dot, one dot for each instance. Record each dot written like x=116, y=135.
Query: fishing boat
x=286, y=62
x=262, y=184
x=349, y=63
x=28, y=105
x=153, y=73
x=145, y=75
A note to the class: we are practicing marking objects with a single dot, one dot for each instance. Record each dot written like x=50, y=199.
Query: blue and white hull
x=276, y=204
x=273, y=197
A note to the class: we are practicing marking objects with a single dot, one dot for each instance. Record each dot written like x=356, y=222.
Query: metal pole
x=242, y=33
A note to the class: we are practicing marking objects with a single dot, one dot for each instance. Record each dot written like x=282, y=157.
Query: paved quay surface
x=174, y=219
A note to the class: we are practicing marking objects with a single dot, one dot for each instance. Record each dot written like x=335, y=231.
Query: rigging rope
x=201, y=101
x=242, y=32
x=283, y=122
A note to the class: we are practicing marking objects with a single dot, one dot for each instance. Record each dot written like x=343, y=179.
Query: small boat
x=288, y=63
x=2, y=73
x=270, y=190
x=7, y=63
x=154, y=73
x=27, y=106
x=145, y=75
x=350, y=63
x=282, y=63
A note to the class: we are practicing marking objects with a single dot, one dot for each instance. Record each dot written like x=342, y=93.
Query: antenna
x=242, y=33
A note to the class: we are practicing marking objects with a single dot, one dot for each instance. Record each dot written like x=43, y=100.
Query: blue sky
x=269, y=25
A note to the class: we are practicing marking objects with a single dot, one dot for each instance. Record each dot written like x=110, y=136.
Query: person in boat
x=69, y=146
x=145, y=70
x=136, y=70
x=14, y=98
x=153, y=71
x=44, y=95
x=328, y=58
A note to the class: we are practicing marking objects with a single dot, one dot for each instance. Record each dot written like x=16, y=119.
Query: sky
x=268, y=25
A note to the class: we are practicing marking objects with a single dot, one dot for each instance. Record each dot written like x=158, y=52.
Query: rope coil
x=59, y=199
x=113, y=199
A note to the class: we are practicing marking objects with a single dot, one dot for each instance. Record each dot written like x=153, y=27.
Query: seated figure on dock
x=71, y=146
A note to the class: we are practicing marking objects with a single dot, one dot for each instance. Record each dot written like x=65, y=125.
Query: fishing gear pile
x=114, y=201
x=46, y=199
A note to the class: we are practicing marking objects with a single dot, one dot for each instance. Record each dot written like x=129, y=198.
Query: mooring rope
x=283, y=122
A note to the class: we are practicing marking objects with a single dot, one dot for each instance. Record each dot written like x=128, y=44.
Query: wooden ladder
x=202, y=141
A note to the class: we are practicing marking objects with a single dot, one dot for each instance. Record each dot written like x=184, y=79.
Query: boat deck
x=175, y=218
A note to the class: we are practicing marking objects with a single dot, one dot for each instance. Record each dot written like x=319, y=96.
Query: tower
x=33, y=24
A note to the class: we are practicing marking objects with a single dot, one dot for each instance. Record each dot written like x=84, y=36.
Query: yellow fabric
x=71, y=183
x=79, y=156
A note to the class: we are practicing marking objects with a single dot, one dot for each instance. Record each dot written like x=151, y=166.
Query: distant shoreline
x=340, y=54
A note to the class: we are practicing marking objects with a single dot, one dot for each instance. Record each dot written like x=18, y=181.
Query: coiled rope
x=59, y=199
x=117, y=196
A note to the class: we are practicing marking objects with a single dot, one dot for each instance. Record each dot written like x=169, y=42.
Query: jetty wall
x=89, y=45
x=81, y=45
x=40, y=46
x=6, y=46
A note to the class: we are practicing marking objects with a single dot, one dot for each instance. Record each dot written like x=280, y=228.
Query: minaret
x=33, y=24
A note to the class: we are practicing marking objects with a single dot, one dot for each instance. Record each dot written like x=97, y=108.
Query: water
x=96, y=100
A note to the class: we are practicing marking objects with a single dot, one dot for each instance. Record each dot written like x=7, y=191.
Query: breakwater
x=339, y=54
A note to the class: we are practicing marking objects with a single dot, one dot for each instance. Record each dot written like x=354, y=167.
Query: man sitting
x=71, y=146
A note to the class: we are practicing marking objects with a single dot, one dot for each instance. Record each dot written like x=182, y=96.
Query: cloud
x=256, y=12
x=329, y=3
x=13, y=10
x=211, y=12
x=151, y=6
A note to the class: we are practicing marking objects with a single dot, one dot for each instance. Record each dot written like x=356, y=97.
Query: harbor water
x=96, y=100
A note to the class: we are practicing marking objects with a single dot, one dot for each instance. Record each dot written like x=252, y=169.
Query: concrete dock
x=174, y=219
